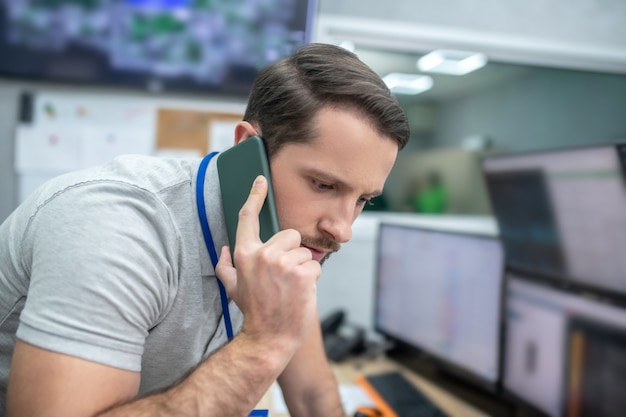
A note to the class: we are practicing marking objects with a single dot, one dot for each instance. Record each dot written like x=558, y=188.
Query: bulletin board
x=197, y=131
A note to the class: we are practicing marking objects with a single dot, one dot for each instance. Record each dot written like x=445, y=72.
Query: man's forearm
x=308, y=383
x=229, y=383
x=324, y=402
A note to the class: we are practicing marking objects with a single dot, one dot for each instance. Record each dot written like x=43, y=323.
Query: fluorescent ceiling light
x=408, y=83
x=451, y=62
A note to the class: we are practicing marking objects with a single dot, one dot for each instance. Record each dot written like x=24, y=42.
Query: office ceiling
x=395, y=47
x=445, y=87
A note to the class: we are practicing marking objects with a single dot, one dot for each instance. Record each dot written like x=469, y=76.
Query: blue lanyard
x=210, y=245
x=208, y=239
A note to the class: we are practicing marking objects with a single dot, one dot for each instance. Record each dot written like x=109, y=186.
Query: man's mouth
x=318, y=255
x=321, y=248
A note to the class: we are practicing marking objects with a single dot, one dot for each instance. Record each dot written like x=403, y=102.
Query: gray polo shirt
x=109, y=265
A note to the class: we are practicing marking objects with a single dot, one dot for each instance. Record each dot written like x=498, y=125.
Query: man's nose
x=337, y=224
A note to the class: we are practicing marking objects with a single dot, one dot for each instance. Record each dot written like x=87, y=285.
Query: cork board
x=180, y=129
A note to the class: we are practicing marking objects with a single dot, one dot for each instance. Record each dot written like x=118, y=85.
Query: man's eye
x=365, y=201
x=323, y=186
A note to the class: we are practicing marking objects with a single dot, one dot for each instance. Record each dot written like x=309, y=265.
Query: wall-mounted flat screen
x=202, y=46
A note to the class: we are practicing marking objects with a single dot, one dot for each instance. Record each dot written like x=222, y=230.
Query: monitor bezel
x=442, y=363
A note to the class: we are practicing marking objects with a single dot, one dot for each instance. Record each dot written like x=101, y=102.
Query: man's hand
x=275, y=282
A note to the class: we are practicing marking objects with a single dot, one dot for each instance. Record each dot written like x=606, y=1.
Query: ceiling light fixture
x=410, y=84
x=451, y=62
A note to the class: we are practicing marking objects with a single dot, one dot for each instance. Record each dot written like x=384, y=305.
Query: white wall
x=543, y=109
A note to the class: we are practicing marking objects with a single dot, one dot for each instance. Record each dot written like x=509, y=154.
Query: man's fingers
x=248, y=226
x=225, y=270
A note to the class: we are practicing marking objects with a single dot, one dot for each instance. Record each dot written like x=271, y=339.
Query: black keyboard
x=403, y=397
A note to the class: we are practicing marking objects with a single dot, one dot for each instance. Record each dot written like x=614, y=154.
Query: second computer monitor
x=562, y=213
x=565, y=353
x=441, y=293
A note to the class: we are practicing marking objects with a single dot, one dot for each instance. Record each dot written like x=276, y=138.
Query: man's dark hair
x=288, y=94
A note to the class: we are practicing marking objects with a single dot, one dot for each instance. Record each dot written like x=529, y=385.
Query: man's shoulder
x=140, y=172
x=144, y=177
x=150, y=172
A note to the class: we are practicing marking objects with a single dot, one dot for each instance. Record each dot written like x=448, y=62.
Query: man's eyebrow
x=326, y=177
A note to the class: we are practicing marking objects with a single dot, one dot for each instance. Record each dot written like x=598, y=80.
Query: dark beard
x=321, y=243
x=325, y=258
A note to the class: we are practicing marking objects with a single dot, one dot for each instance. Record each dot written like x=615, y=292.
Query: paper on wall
x=58, y=150
x=100, y=145
x=82, y=110
x=49, y=151
x=221, y=134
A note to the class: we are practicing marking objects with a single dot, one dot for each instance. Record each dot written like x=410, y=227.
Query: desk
x=346, y=373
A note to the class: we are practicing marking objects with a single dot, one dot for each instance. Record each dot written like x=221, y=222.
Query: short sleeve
x=103, y=272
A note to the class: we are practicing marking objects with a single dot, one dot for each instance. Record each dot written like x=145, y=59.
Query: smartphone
x=237, y=169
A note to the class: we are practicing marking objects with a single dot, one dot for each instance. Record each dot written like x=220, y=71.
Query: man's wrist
x=270, y=353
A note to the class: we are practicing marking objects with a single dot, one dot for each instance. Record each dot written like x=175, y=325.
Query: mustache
x=321, y=243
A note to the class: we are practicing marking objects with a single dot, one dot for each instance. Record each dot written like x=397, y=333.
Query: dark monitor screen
x=596, y=371
x=546, y=330
x=179, y=45
x=562, y=213
x=441, y=293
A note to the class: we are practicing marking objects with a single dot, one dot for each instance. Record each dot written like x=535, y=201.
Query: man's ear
x=243, y=131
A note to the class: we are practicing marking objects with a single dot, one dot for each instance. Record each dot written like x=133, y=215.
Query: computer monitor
x=560, y=348
x=596, y=372
x=440, y=293
x=214, y=47
x=562, y=213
